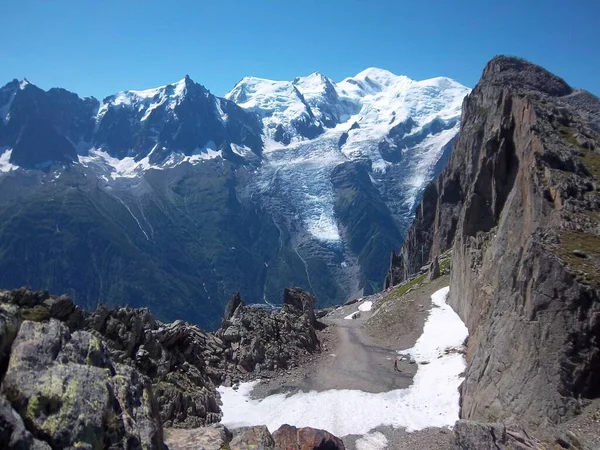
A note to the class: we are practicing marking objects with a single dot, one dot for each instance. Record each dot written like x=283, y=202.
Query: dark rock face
x=519, y=194
x=44, y=127
x=302, y=301
x=289, y=437
x=184, y=124
x=255, y=339
x=370, y=224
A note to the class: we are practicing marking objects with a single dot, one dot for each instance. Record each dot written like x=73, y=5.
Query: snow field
x=431, y=401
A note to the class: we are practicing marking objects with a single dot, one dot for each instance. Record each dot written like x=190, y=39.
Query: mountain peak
x=518, y=72
x=380, y=76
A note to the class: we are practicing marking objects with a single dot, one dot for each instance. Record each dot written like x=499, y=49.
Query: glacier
x=312, y=124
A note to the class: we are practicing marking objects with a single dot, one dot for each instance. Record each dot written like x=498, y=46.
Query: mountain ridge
x=207, y=197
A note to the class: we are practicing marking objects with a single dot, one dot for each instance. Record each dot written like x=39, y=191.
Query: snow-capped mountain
x=308, y=182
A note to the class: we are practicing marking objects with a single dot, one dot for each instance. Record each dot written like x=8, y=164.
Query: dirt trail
x=355, y=362
x=360, y=353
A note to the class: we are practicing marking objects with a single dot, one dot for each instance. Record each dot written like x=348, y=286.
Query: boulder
x=60, y=307
x=252, y=438
x=13, y=434
x=469, y=435
x=206, y=438
x=71, y=394
x=302, y=301
x=233, y=304
x=289, y=437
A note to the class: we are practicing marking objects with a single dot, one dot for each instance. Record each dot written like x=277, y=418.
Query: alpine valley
x=172, y=198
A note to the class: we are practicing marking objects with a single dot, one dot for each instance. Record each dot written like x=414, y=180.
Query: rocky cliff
x=519, y=205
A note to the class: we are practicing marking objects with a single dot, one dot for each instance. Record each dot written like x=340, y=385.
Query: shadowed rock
x=289, y=437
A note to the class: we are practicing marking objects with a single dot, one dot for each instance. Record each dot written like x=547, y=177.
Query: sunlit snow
x=431, y=401
x=128, y=167
x=5, y=165
x=145, y=101
x=376, y=100
x=365, y=306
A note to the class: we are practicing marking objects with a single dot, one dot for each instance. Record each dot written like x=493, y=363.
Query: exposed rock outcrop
x=68, y=391
x=288, y=437
x=519, y=195
x=246, y=438
x=118, y=375
x=257, y=339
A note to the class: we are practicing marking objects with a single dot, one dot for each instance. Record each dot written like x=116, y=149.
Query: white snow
x=5, y=165
x=376, y=100
x=431, y=401
x=242, y=151
x=352, y=316
x=366, y=306
x=277, y=102
x=372, y=441
x=147, y=100
x=128, y=167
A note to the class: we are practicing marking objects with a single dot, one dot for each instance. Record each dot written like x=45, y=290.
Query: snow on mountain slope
x=284, y=112
x=375, y=116
x=146, y=101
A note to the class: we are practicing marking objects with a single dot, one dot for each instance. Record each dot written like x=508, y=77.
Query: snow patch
x=366, y=306
x=431, y=401
x=242, y=150
x=372, y=441
x=129, y=167
x=5, y=165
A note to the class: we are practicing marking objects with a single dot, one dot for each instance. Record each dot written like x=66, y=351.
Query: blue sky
x=98, y=47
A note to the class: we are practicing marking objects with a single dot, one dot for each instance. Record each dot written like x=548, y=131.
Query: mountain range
x=174, y=198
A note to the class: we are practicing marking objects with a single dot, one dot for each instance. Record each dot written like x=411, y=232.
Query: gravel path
x=359, y=354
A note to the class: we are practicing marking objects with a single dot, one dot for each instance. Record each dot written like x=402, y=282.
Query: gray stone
x=515, y=200
x=13, y=434
x=252, y=438
x=215, y=437
x=434, y=269
x=54, y=381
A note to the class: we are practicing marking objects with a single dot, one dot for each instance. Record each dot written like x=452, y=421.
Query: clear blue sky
x=98, y=47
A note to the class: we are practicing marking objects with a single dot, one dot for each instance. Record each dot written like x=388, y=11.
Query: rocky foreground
x=115, y=378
